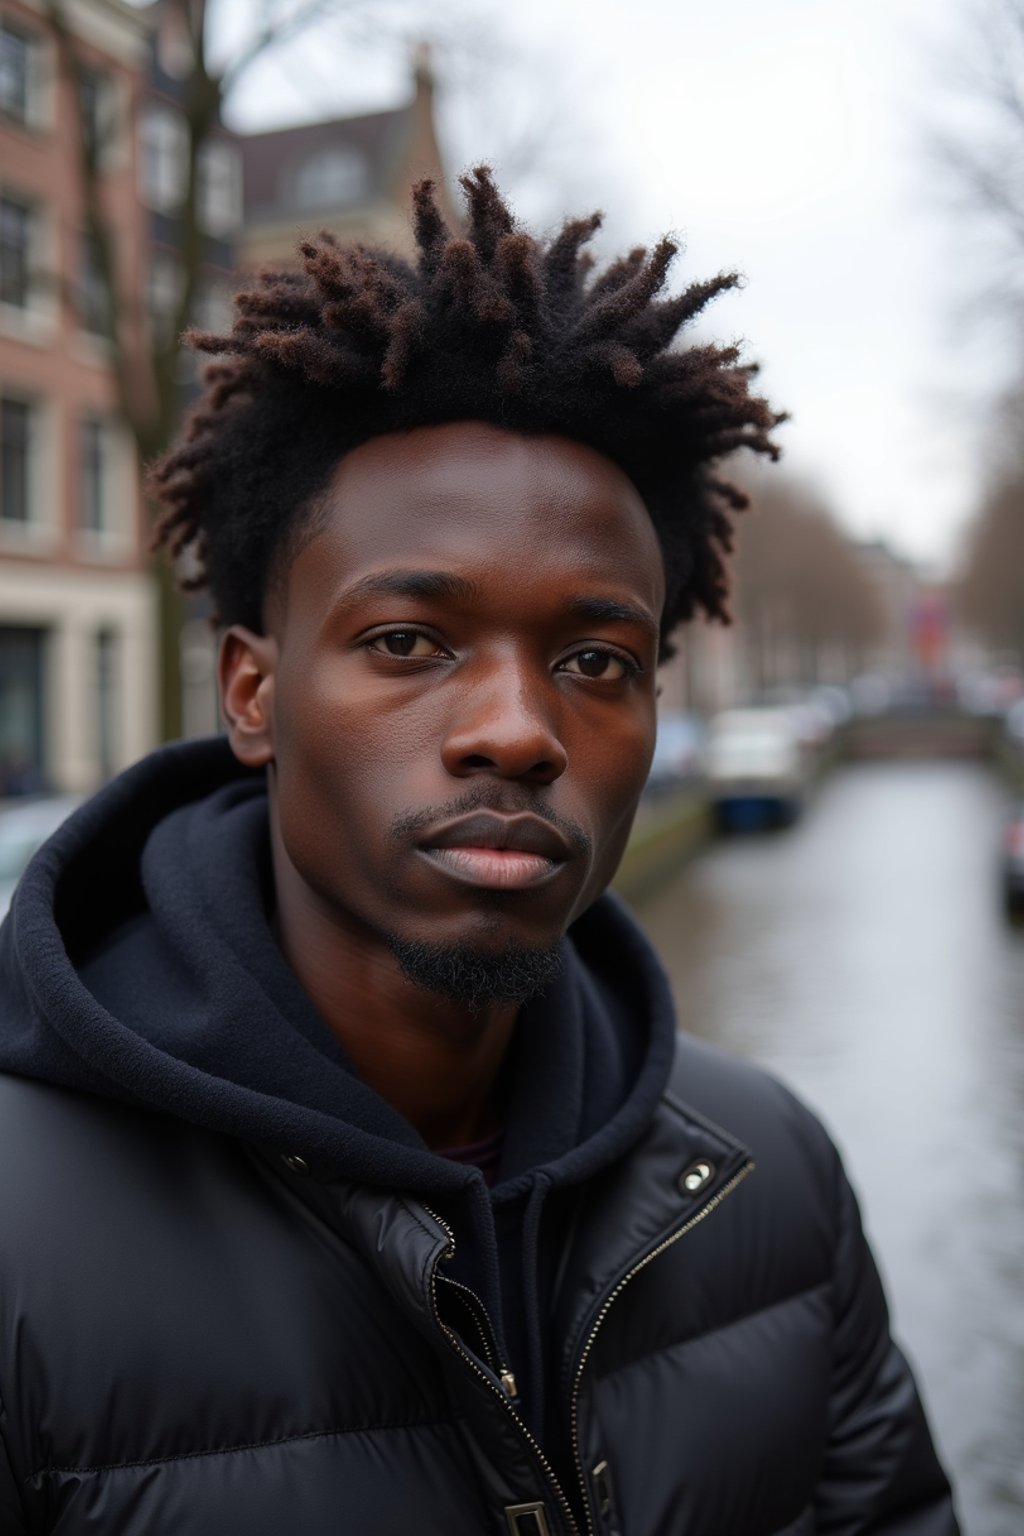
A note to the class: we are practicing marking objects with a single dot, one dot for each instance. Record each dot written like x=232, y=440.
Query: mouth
x=503, y=853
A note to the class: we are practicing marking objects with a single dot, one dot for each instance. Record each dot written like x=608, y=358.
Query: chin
x=474, y=974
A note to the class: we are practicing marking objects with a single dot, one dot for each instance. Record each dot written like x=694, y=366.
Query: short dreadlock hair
x=494, y=325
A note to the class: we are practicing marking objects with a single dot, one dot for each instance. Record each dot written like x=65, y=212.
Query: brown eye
x=603, y=665
x=405, y=643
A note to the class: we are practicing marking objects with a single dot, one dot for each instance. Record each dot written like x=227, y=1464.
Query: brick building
x=78, y=608
x=77, y=630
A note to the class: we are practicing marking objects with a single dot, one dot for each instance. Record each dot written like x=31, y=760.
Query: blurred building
x=351, y=175
x=77, y=630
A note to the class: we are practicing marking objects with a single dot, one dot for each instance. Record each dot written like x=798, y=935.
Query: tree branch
x=269, y=34
x=98, y=231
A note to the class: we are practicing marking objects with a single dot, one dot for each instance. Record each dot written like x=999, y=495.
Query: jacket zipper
x=476, y=1310
x=617, y=1290
x=507, y=1390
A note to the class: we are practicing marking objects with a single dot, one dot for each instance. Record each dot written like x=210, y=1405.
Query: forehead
x=488, y=502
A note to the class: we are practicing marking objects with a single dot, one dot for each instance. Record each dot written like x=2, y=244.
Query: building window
x=220, y=188
x=97, y=104
x=94, y=473
x=93, y=298
x=105, y=486
x=16, y=73
x=16, y=444
x=163, y=292
x=333, y=178
x=22, y=710
x=106, y=702
x=163, y=159
x=16, y=237
x=214, y=310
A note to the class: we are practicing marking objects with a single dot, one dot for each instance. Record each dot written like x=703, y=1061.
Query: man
x=353, y=1178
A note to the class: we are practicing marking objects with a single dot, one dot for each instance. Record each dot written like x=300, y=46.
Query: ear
x=245, y=676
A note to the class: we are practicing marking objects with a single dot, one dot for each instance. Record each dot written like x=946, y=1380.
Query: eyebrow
x=423, y=584
x=608, y=610
x=446, y=584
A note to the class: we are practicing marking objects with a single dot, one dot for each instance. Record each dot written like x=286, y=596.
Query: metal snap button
x=696, y=1176
x=294, y=1163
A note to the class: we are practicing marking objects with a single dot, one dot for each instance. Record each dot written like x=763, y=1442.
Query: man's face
x=459, y=688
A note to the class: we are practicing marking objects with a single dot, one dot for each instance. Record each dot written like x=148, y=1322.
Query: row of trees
x=986, y=171
x=991, y=586
x=806, y=603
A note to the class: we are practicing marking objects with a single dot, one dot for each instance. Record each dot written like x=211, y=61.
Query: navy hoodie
x=138, y=963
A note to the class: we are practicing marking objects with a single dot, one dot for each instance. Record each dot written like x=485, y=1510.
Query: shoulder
x=795, y=1159
x=43, y=1126
x=74, y=1163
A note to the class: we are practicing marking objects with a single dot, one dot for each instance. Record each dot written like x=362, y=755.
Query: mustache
x=411, y=824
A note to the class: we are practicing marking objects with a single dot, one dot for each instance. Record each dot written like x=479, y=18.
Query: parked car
x=23, y=828
x=678, y=751
x=756, y=767
x=990, y=693
x=835, y=701
x=813, y=718
x=1013, y=862
x=871, y=694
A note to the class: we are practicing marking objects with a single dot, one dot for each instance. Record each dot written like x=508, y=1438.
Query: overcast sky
x=786, y=138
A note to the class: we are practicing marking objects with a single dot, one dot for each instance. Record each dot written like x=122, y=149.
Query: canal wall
x=665, y=837
x=916, y=734
x=669, y=832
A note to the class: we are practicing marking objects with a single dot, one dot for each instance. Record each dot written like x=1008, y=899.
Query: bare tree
x=801, y=591
x=984, y=163
x=980, y=148
x=990, y=592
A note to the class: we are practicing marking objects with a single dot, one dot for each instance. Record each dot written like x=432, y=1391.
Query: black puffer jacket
x=226, y=1309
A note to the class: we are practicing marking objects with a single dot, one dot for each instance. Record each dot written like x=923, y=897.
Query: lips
x=486, y=829
x=497, y=852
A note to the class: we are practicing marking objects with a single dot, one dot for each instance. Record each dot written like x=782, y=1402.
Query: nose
x=503, y=725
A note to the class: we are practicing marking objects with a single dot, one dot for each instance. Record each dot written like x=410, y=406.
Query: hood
x=138, y=963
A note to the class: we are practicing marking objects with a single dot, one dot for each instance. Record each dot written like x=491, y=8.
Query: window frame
x=219, y=189
x=21, y=115
x=163, y=158
x=21, y=403
x=39, y=530
x=105, y=122
x=103, y=531
x=92, y=301
x=38, y=113
x=29, y=208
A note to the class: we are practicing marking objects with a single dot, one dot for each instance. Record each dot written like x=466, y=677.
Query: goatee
x=475, y=977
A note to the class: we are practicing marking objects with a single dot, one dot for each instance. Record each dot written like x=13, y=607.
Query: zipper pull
x=508, y=1383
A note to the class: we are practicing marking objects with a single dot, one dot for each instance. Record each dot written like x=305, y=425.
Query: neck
x=435, y=1061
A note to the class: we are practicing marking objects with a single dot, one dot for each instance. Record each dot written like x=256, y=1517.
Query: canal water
x=864, y=957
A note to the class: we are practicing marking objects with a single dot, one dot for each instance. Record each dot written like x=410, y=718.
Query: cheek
x=614, y=770
x=319, y=766
x=346, y=765
x=616, y=760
